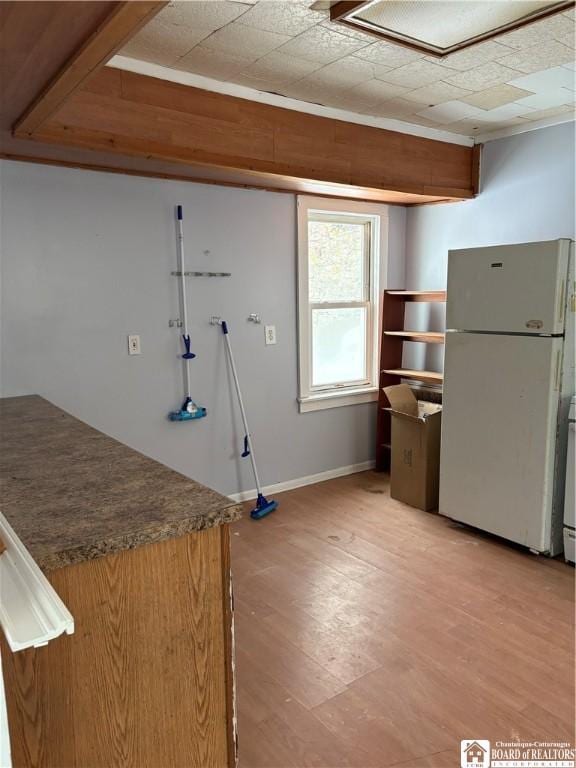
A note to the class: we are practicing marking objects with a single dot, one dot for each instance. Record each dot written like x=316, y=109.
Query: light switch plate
x=134, y=345
x=270, y=334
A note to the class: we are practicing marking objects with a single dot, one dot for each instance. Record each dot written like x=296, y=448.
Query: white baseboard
x=298, y=482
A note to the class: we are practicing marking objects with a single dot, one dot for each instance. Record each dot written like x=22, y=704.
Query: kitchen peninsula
x=140, y=556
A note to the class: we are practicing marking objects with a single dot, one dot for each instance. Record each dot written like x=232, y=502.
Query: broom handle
x=242, y=411
x=179, y=218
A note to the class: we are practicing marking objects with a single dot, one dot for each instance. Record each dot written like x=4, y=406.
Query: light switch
x=270, y=334
x=134, y=345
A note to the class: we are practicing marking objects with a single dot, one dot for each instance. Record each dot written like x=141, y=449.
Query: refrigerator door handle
x=557, y=371
x=561, y=301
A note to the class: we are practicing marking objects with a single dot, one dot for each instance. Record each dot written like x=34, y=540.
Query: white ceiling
x=284, y=47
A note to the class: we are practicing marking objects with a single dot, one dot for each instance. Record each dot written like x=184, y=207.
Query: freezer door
x=508, y=288
x=499, y=423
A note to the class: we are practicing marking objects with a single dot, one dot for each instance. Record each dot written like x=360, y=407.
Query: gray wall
x=527, y=194
x=86, y=260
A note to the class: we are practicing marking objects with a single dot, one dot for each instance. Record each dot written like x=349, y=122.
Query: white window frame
x=320, y=397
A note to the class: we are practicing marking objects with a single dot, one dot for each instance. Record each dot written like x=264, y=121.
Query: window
x=340, y=254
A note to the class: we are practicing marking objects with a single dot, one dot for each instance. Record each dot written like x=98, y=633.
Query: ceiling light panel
x=443, y=26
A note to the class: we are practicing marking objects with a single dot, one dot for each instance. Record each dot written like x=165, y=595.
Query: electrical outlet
x=134, y=345
x=270, y=334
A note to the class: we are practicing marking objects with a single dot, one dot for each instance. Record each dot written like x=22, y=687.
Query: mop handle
x=240, y=401
x=179, y=218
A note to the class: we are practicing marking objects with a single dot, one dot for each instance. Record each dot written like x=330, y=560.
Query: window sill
x=319, y=402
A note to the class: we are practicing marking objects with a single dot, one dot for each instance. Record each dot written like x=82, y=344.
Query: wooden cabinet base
x=146, y=679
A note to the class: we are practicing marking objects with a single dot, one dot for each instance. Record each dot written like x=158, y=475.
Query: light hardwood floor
x=370, y=634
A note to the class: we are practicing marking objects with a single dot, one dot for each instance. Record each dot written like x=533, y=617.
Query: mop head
x=263, y=507
x=187, y=415
x=188, y=411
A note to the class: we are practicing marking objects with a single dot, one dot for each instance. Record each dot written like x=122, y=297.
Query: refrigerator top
x=516, y=289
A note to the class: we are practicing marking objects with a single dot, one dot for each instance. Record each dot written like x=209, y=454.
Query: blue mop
x=263, y=505
x=189, y=410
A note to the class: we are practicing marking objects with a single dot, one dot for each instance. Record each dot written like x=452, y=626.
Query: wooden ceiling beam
x=139, y=116
x=79, y=113
x=122, y=23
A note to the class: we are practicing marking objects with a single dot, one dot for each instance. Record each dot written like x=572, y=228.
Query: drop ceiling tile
x=200, y=13
x=510, y=122
x=537, y=33
x=436, y=93
x=304, y=90
x=483, y=77
x=141, y=52
x=373, y=92
x=321, y=45
x=419, y=120
x=547, y=79
x=239, y=40
x=538, y=57
x=335, y=100
x=473, y=56
x=418, y=73
x=398, y=108
x=257, y=84
x=542, y=114
x=347, y=72
x=219, y=65
x=388, y=54
x=272, y=16
x=347, y=31
x=545, y=99
x=449, y=112
x=487, y=128
x=567, y=40
x=280, y=68
x=164, y=43
x=470, y=127
x=463, y=127
x=503, y=113
x=496, y=96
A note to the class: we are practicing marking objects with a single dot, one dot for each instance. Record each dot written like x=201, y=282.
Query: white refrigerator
x=508, y=379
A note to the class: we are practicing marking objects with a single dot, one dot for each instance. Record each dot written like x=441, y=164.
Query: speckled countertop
x=72, y=493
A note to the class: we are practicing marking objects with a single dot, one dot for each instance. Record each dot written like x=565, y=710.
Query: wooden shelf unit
x=391, y=371
x=430, y=377
x=419, y=295
x=428, y=337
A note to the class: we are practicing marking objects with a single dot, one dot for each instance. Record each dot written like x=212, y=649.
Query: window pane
x=338, y=345
x=336, y=261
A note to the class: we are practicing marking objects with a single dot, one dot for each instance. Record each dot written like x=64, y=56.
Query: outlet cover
x=270, y=334
x=134, y=345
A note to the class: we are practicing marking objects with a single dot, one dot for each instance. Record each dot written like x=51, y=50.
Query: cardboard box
x=415, y=466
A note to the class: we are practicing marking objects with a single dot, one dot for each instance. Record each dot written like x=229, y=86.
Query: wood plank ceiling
x=120, y=121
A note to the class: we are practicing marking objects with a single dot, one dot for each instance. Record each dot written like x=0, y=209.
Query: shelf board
x=419, y=295
x=431, y=377
x=428, y=337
